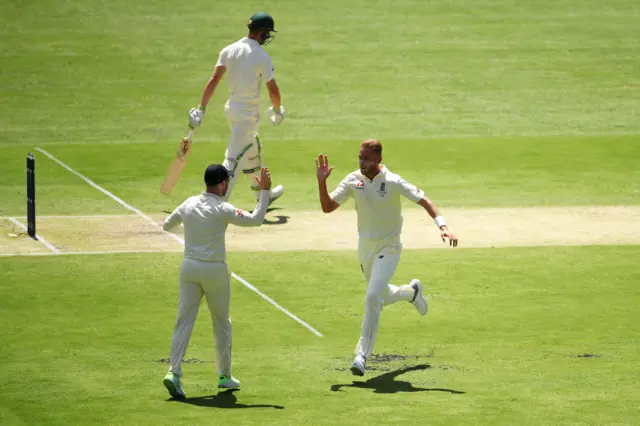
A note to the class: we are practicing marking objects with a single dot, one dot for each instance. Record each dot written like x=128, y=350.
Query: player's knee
x=374, y=299
x=222, y=322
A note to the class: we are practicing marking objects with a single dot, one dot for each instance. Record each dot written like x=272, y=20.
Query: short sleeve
x=222, y=58
x=410, y=191
x=342, y=193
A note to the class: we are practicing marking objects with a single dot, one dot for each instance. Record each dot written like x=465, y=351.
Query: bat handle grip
x=190, y=135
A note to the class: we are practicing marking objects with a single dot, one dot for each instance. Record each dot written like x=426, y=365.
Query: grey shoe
x=419, y=302
x=358, y=366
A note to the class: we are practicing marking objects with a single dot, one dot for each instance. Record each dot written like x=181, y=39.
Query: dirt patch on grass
x=296, y=231
x=105, y=234
x=498, y=227
x=15, y=239
x=382, y=358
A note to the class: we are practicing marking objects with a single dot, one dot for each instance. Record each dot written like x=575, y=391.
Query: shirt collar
x=383, y=173
x=251, y=42
x=210, y=195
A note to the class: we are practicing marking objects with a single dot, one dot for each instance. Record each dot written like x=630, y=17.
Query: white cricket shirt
x=248, y=64
x=205, y=218
x=377, y=202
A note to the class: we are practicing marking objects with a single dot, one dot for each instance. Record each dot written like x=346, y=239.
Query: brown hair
x=372, y=144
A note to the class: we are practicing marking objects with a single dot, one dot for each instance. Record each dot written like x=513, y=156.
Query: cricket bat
x=175, y=169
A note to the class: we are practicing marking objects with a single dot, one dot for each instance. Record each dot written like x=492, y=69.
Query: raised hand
x=264, y=181
x=323, y=171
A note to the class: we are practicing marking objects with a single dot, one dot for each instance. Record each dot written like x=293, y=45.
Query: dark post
x=31, y=195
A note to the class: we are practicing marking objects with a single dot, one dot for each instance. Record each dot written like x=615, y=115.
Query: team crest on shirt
x=238, y=212
x=360, y=184
x=383, y=189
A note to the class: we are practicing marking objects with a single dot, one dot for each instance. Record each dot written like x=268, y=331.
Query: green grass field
x=481, y=104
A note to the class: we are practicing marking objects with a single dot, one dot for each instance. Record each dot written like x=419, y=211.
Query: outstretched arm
x=323, y=171
x=240, y=217
x=256, y=218
x=433, y=211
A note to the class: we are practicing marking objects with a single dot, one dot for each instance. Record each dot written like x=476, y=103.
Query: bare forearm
x=211, y=85
x=431, y=208
x=439, y=220
x=209, y=90
x=274, y=94
x=275, y=99
x=328, y=205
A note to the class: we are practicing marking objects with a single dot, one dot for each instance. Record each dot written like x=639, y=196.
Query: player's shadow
x=280, y=219
x=224, y=399
x=386, y=383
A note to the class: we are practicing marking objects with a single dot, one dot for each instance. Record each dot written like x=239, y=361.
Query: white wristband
x=440, y=221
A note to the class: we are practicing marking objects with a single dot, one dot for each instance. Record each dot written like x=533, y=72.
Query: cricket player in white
x=377, y=192
x=247, y=65
x=204, y=270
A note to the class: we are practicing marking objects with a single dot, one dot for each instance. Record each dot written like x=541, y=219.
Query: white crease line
x=109, y=194
x=274, y=303
x=70, y=253
x=38, y=237
x=175, y=237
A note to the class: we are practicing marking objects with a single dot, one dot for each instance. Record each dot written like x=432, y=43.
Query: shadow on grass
x=224, y=399
x=386, y=383
x=280, y=220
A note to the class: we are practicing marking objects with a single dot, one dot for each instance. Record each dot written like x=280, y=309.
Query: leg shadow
x=280, y=220
x=224, y=399
x=386, y=383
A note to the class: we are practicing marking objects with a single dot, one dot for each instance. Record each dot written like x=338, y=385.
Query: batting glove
x=195, y=117
x=276, y=116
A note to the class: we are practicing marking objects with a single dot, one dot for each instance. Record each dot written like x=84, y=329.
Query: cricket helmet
x=261, y=21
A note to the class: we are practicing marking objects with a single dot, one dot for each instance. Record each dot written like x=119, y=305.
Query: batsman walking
x=376, y=192
x=247, y=65
x=204, y=270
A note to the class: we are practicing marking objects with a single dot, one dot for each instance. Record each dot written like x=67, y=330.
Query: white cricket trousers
x=378, y=261
x=244, y=125
x=211, y=279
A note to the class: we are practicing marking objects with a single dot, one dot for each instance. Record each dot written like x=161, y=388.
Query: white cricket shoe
x=174, y=386
x=275, y=193
x=228, y=382
x=358, y=366
x=419, y=302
